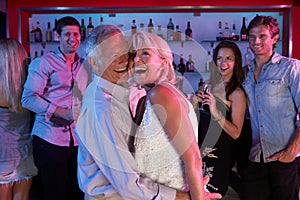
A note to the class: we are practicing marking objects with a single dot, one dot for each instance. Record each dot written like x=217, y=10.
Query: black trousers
x=57, y=167
x=271, y=181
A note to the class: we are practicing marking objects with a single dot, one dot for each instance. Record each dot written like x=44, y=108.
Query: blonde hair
x=13, y=72
x=142, y=40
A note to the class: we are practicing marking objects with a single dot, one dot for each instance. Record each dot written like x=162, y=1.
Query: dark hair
x=238, y=74
x=66, y=21
x=269, y=22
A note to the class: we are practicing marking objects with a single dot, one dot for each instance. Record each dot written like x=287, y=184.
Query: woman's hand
x=210, y=100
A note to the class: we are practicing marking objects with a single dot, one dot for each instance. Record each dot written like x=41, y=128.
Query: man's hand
x=62, y=116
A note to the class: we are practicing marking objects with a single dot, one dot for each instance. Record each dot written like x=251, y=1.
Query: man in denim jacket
x=273, y=89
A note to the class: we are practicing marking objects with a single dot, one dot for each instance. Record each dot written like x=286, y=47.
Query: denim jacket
x=274, y=103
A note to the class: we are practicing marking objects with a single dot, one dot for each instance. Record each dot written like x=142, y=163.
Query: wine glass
x=204, y=89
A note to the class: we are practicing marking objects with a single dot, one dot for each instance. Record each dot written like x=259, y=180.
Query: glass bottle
x=150, y=26
x=220, y=32
x=48, y=33
x=244, y=35
x=177, y=34
x=133, y=27
x=32, y=34
x=190, y=64
x=226, y=31
x=234, y=34
x=188, y=32
x=159, y=33
x=142, y=27
x=38, y=33
x=101, y=21
x=82, y=30
x=54, y=32
x=90, y=26
x=170, y=30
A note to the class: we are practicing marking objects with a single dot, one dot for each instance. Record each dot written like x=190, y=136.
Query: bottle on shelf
x=159, y=33
x=177, y=34
x=142, y=27
x=188, y=32
x=190, y=64
x=54, y=33
x=133, y=27
x=247, y=57
x=150, y=26
x=220, y=32
x=181, y=66
x=90, y=26
x=82, y=30
x=101, y=21
x=38, y=36
x=48, y=33
x=32, y=34
x=234, y=35
x=170, y=30
x=42, y=52
x=226, y=31
x=35, y=55
x=244, y=34
x=174, y=63
x=209, y=62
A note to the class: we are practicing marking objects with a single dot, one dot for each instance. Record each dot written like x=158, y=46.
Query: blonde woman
x=16, y=161
x=165, y=146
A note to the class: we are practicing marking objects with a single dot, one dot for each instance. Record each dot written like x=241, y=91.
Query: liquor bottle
x=181, y=66
x=42, y=52
x=38, y=37
x=190, y=64
x=35, y=55
x=220, y=32
x=54, y=32
x=150, y=26
x=177, y=34
x=209, y=62
x=170, y=30
x=247, y=57
x=32, y=34
x=142, y=27
x=244, y=35
x=90, y=26
x=234, y=34
x=82, y=30
x=226, y=31
x=133, y=27
x=101, y=21
x=159, y=33
x=188, y=32
x=48, y=33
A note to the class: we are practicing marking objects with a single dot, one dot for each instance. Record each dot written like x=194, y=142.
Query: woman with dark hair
x=222, y=119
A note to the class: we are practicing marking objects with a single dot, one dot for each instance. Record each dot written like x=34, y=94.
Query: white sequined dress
x=155, y=155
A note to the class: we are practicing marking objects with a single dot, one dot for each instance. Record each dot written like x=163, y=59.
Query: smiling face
x=261, y=41
x=147, y=66
x=225, y=63
x=115, y=59
x=69, y=39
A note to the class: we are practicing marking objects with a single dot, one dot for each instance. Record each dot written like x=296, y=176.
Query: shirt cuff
x=50, y=111
x=165, y=193
x=298, y=120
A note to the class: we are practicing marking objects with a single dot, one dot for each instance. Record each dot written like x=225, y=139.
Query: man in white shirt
x=106, y=168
